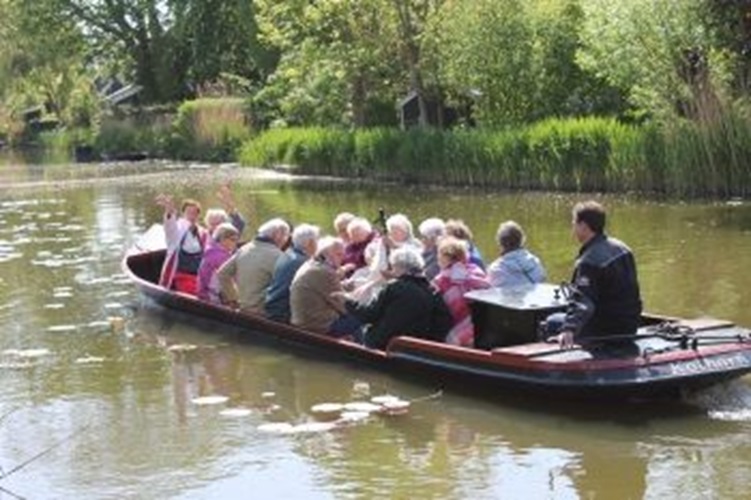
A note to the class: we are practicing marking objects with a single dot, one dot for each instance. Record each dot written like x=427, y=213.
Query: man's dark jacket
x=606, y=298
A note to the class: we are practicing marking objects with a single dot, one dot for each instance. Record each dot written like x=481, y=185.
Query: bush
x=586, y=154
x=209, y=129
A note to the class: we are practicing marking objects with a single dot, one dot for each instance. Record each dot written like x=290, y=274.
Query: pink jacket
x=453, y=282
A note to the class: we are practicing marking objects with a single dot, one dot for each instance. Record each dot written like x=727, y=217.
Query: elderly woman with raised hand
x=186, y=241
x=304, y=245
x=457, y=277
x=225, y=238
x=516, y=265
x=216, y=216
x=316, y=298
x=243, y=279
x=431, y=230
x=399, y=234
x=459, y=230
x=408, y=305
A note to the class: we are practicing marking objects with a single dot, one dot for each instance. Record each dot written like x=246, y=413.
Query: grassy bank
x=591, y=154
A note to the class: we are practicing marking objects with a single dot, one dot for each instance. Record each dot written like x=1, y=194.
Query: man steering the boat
x=605, y=300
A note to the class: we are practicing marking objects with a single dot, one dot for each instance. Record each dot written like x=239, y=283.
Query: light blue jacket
x=519, y=267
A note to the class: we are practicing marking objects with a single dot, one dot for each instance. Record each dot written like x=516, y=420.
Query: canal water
x=107, y=396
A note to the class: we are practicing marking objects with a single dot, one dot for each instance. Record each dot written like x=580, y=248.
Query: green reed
x=684, y=158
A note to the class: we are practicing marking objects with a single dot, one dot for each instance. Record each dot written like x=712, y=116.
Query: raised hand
x=226, y=198
x=165, y=201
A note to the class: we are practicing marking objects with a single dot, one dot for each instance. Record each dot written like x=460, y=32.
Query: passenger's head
x=226, y=235
x=191, y=210
x=359, y=230
x=450, y=251
x=399, y=228
x=275, y=230
x=341, y=221
x=214, y=217
x=406, y=260
x=458, y=229
x=305, y=238
x=331, y=250
x=588, y=220
x=510, y=236
x=431, y=230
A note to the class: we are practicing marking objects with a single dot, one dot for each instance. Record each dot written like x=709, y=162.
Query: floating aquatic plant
x=235, y=412
x=88, y=360
x=327, y=408
x=209, y=400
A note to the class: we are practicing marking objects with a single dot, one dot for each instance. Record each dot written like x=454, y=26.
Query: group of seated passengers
x=359, y=284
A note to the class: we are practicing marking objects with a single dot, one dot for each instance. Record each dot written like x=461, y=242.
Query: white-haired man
x=304, y=245
x=243, y=279
x=316, y=298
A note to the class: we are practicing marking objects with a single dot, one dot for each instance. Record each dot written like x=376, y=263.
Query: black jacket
x=407, y=306
x=606, y=297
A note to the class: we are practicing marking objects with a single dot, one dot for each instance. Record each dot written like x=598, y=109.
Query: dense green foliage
x=586, y=154
x=567, y=94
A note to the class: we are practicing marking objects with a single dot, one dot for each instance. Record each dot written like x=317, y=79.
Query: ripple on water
x=730, y=401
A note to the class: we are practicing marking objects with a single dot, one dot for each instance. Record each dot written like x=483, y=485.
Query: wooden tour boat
x=667, y=356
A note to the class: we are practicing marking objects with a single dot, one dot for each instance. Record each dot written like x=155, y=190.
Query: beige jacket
x=246, y=275
x=312, y=306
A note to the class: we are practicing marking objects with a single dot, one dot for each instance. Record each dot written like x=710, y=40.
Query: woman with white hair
x=398, y=235
x=431, y=230
x=229, y=213
x=360, y=233
x=225, y=238
x=408, y=305
x=516, y=265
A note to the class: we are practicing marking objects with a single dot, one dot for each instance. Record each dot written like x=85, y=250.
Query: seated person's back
x=408, y=305
x=304, y=242
x=243, y=279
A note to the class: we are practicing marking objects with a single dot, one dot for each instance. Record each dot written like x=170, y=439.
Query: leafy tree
x=660, y=50
x=486, y=47
x=338, y=60
x=41, y=62
x=730, y=21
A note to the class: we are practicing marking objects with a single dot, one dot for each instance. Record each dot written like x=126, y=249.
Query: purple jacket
x=213, y=257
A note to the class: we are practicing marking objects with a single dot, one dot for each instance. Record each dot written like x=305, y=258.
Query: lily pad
x=398, y=406
x=362, y=406
x=235, y=412
x=384, y=399
x=276, y=428
x=312, y=427
x=327, y=408
x=182, y=348
x=88, y=360
x=62, y=328
x=210, y=400
x=354, y=416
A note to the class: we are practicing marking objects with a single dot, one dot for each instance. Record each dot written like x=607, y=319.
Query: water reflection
x=60, y=285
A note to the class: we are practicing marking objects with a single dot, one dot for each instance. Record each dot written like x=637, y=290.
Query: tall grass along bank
x=588, y=154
